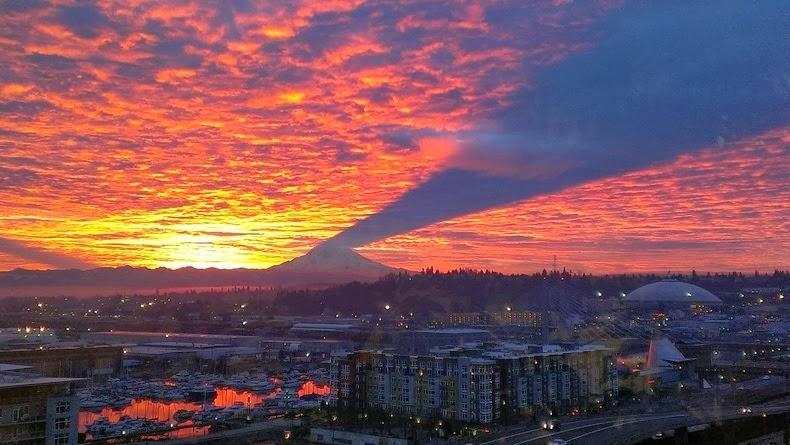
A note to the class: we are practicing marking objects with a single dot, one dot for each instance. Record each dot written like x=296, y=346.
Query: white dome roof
x=671, y=291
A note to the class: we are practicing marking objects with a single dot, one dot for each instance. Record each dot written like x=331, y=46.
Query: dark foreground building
x=94, y=362
x=485, y=383
x=37, y=410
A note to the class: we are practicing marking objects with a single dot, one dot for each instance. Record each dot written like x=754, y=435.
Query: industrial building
x=128, y=337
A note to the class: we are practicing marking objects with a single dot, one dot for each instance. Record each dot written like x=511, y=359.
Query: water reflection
x=164, y=411
x=138, y=409
x=147, y=409
x=310, y=388
x=227, y=397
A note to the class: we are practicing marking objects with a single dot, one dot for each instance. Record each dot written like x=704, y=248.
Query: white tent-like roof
x=662, y=354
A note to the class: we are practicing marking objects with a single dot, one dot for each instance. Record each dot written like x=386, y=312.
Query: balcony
x=25, y=420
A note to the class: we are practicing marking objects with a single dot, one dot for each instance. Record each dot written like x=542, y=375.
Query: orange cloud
x=183, y=133
x=277, y=33
x=716, y=210
x=174, y=75
x=15, y=89
x=292, y=97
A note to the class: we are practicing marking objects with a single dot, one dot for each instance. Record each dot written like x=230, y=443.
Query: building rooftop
x=174, y=335
x=495, y=350
x=158, y=350
x=662, y=354
x=452, y=331
x=545, y=351
x=7, y=367
x=303, y=340
x=322, y=326
x=190, y=345
x=20, y=381
x=55, y=347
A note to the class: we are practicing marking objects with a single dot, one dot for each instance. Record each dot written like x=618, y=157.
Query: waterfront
x=166, y=412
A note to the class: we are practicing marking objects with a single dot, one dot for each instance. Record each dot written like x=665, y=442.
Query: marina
x=192, y=404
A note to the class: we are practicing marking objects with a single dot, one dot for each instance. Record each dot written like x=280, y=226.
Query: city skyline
x=491, y=136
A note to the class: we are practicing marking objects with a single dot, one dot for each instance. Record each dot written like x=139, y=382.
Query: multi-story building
x=556, y=380
x=467, y=319
x=461, y=388
x=37, y=410
x=74, y=361
x=482, y=383
x=517, y=318
x=500, y=318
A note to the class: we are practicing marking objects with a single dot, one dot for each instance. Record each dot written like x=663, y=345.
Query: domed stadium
x=671, y=293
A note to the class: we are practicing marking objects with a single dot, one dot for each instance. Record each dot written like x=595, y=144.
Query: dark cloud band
x=38, y=255
x=666, y=78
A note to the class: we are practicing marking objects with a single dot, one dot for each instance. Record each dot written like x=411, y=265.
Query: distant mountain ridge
x=320, y=266
x=327, y=259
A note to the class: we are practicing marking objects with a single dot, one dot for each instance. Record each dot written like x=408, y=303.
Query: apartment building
x=37, y=410
x=460, y=388
x=98, y=362
x=517, y=318
x=557, y=380
x=479, y=383
x=506, y=317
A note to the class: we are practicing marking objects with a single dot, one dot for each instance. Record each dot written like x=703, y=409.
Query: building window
x=21, y=413
x=62, y=407
x=62, y=440
x=62, y=424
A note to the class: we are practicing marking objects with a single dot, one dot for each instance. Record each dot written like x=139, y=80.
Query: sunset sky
x=619, y=136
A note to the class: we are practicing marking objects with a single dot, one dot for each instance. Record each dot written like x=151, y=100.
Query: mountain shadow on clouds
x=665, y=78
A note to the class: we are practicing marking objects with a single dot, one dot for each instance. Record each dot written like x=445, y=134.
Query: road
x=625, y=429
x=240, y=435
